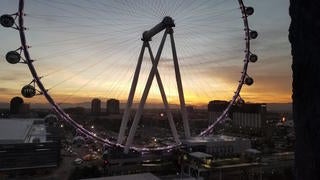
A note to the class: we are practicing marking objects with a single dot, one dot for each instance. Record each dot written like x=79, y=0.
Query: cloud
x=8, y=78
x=4, y=90
x=14, y=74
x=9, y=91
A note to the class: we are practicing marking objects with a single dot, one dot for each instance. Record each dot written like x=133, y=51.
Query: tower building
x=113, y=106
x=16, y=104
x=96, y=106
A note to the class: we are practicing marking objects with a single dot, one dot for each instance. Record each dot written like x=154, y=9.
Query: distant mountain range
x=279, y=107
x=271, y=107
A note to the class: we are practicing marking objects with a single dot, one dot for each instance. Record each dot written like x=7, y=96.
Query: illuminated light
x=92, y=127
x=7, y=20
x=208, y=161
x=155, y=140
x=283, y=119
x=61, y=125
x=253, y=34
x=185, y=157
x=28, y=91
x=13, y=57
x=253, y=58
x=161, y=114
x=249, y=11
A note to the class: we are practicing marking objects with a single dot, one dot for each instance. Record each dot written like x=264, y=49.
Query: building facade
x=247, y=118
x=95, y=106
x=113, y=106
x=215, y=109
x=219, y=146
x=24, y=144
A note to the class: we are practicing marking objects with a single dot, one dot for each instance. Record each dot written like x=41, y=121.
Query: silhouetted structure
x=220, y=146
x=165, y=25
x=189, y=109
x=247, y=118
x=304, y=37
x=96, y=106
x=215, y=109
x=113, y=106
x=26, y=144
x=24, y=108
x=16, y=104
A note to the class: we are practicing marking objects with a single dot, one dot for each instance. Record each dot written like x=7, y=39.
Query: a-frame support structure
x=166, y=25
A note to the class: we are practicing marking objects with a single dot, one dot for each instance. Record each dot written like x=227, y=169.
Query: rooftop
x=200, y=155
x=142, y=176
x=20, y=131
x=214, y=138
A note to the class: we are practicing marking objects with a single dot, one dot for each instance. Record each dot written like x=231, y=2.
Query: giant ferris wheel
x=101, y=47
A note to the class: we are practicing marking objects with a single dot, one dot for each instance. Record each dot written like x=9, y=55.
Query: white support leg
x=125, y=117
x=144, y=96
x=164, y=99
x=180, y=89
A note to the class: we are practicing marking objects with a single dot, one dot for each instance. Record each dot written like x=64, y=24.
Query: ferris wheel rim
x=62, y=114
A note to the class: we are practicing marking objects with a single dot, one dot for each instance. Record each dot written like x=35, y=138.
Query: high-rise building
x=113, y=106
x=96, y=106
x=248, y=118
x=16, y=105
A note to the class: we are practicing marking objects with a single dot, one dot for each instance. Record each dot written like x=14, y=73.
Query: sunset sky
x=89, y=48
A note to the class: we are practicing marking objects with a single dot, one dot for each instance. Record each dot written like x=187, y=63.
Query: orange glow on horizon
x=190, y=100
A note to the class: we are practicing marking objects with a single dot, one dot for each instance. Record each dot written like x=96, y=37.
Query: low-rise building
x=24, y=145
x=247, y=118
x=219, y=146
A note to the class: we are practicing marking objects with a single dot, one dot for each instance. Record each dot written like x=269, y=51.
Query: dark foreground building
x=95, y=106
x=24, y=145
x=113, y=106
x=304, y=37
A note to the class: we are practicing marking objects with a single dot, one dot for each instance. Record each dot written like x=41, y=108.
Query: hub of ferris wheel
x=165, y=25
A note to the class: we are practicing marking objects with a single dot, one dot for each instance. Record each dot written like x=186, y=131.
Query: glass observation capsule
x=240, y=102
x=6, y=20
x=28, y=91
x=253, y=58
x=249, y=11
x=253, y=34
x=13, y=57
x=248, y=81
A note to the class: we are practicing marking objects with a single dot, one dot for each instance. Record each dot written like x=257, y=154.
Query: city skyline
x=272, y=73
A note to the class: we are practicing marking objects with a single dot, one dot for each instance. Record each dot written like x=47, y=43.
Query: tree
x=304, y=35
